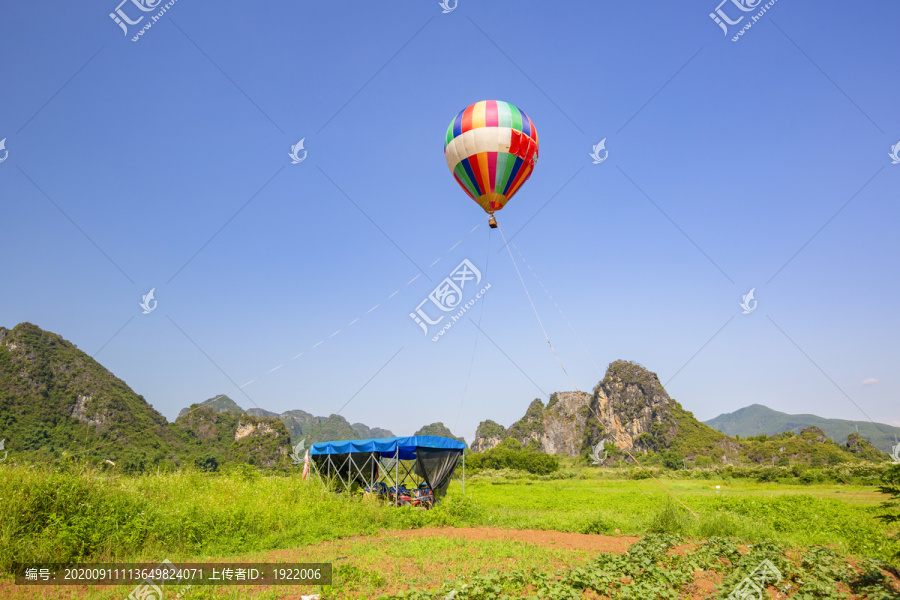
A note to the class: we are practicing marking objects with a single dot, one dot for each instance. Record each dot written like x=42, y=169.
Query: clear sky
x=761, y=163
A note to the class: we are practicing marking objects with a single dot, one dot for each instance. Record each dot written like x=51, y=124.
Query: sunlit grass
x=90, y=516
x=748, y=510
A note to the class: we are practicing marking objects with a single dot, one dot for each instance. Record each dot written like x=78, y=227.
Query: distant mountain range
x=629, y=413
x=57, y=403
x=757, y=419
x=305, y=426
x=301, y=424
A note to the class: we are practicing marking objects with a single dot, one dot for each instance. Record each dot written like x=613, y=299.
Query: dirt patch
x=549, y=539
x=682, y=549
x=705, y=584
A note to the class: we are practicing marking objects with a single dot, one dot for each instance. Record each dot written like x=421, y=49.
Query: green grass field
x=822, y=534
x=793, y=515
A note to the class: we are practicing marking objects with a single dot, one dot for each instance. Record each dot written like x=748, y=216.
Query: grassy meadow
x=824, y=535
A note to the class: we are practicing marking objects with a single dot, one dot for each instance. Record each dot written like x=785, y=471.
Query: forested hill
x=301, y=424
x=629, y=413
x=58, y=403
x=757, y=419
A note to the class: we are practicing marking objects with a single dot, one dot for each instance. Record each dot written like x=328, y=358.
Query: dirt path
x=549, y=539
x=395, y=556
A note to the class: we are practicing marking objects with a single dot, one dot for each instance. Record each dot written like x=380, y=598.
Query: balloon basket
x=492, y=222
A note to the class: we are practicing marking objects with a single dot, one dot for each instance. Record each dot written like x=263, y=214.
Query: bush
x=769, y=474
x=670, y=519
x=702, y=461
x=207, y=462
x=640, y=473
x=134, y=462
x=600, y=524
x=510, y=455
x=890, y=485
x=673, y=461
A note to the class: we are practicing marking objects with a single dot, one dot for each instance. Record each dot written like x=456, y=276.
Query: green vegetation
x=757, y=419
x=489, y=429
x=300, y=424
x=332, y=428
x=222, y=403
x=59, y=406
x=531, y=426
x=91, y=515
x=695, y=438
x=365, y=432
x=55, y=398
x=511, y=455
x=554, y=398
x=791, y=514
x=648, y=570
x=890, y=485
x=439, y=429
x=635, y=374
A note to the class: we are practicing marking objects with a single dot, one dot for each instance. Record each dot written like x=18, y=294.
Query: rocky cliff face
x=628, y=408
x=300, y=424
x=631, y=409
x=565, y=421
x=262, y=441
x=245, y=429
x=488, y=435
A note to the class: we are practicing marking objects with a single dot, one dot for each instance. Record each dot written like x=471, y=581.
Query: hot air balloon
x=491, y=148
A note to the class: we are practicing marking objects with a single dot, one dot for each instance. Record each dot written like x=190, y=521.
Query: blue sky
x=163, y=163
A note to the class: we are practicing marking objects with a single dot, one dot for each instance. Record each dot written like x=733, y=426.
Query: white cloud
x=869, y=381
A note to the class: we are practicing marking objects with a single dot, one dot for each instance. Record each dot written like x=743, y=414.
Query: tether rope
x=477, y=333
x=541, y=323
x=241, y=387
x=562, y=314
x=397, y=291
x=590, y=405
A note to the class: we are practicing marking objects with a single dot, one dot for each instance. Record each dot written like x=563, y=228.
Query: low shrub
x=510, y=455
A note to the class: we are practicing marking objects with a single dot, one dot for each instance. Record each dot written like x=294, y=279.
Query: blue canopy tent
x=375, y=464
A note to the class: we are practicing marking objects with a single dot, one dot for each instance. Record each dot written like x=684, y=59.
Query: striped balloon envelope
x=491, y=148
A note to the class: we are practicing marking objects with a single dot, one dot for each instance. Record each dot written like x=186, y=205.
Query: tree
x=134, y=462
x=673, y=461
x=208, y=462
x=890, y=485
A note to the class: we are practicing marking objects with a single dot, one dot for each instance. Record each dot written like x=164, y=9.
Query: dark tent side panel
x=437, y=466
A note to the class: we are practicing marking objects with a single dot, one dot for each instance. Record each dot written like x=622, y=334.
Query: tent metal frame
x=377, y=472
